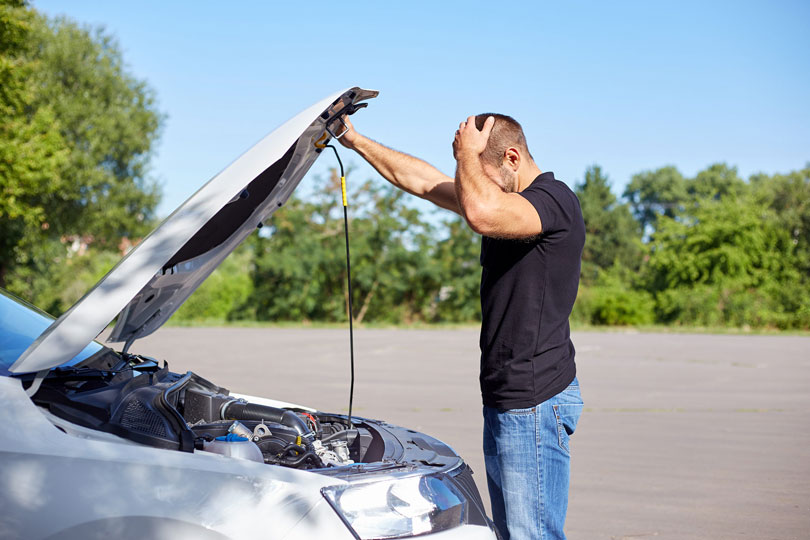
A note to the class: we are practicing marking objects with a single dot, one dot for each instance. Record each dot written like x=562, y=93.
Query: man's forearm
x=474, y=189
x=405, y=172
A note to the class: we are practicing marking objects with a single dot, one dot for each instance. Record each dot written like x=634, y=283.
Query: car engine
x=134, y=398
x=289, y=437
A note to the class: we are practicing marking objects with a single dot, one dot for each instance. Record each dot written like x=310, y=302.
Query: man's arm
x=406, y=172
x=486, y=207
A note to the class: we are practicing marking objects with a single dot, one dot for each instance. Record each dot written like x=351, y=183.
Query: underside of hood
x=148, y=285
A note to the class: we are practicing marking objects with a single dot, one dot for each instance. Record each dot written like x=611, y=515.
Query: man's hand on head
x=469, y=141
x=488, y=209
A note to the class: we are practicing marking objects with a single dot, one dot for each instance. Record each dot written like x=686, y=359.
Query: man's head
x=506, y=150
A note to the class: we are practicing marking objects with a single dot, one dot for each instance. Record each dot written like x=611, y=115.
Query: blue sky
x=627, y=85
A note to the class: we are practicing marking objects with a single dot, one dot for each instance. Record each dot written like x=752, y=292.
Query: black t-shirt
x=528, y=288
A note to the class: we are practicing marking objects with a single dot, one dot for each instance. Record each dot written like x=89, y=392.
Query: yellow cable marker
x=343, y=189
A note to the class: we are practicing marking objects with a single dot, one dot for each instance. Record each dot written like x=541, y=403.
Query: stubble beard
x=509, y=178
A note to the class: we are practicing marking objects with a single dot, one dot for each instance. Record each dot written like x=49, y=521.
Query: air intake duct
x=241, y=410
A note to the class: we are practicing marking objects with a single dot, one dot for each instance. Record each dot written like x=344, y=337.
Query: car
x=103, y=443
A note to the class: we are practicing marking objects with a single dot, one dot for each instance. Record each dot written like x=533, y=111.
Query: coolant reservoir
x=234, y=446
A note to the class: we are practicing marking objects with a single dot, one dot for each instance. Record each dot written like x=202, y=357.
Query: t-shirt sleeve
x=551, y=204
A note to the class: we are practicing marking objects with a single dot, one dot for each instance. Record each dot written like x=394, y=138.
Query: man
x=532, y=238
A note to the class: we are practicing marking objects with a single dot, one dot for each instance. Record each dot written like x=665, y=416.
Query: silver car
x=99, y=443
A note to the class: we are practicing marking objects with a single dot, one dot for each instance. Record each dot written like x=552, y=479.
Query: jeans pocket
x=520, y=412
x=567, y=410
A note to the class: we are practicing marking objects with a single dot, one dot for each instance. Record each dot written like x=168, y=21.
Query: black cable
x=348, y=276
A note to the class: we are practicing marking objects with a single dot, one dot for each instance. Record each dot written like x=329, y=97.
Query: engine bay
x=134, y=398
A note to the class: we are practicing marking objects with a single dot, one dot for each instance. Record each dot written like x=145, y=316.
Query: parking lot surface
x=682, y=436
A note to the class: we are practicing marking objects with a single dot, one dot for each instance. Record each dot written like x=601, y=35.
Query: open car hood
x=148, y=285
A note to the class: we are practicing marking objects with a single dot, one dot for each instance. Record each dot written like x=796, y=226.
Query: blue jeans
x=528, y=465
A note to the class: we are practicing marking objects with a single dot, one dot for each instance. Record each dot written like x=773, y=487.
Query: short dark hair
x=507, y=132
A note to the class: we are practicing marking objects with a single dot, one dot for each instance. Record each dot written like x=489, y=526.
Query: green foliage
x=621, y=307
x=300, y=270
x=297, y=276
x=32, y=151
x=612, y=302
x=108, y=121
x=721, y=242
x=613, y=237
x=68, y=277
x=393, y=281
x=74, y=142
x=717, y=182
x=704, y=305
x=651, y=194
x=730, y=262
x=721, y=251
x=457, y=273
x=225, y=293
x=788, y=196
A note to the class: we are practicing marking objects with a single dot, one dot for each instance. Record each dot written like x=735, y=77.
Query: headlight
x=399, y=508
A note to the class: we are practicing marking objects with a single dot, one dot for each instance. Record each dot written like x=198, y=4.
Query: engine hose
x=304, y=457
x=239, y=410
x=295, y=448
x=271, y=445
x=347, y=435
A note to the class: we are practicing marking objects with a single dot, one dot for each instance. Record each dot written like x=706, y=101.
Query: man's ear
x=511, y=158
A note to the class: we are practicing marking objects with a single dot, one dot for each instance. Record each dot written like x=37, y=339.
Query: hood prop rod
x=130, y=340
x=348, y=277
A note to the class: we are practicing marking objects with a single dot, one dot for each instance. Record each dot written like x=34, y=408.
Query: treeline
x=712, y=250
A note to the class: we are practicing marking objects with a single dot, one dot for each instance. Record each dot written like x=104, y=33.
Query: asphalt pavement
x=682, y=436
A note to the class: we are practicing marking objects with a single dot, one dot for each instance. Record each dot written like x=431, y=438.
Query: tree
x=393, y=278
x=74, y=144
x=297, y=265
x=788, y=195
x=458, y=274
x=300, y=266
x=728, y=262
x=613, y=237
x=109, y=121
x=32, y=151
x=718, y=181
x=651, y=194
